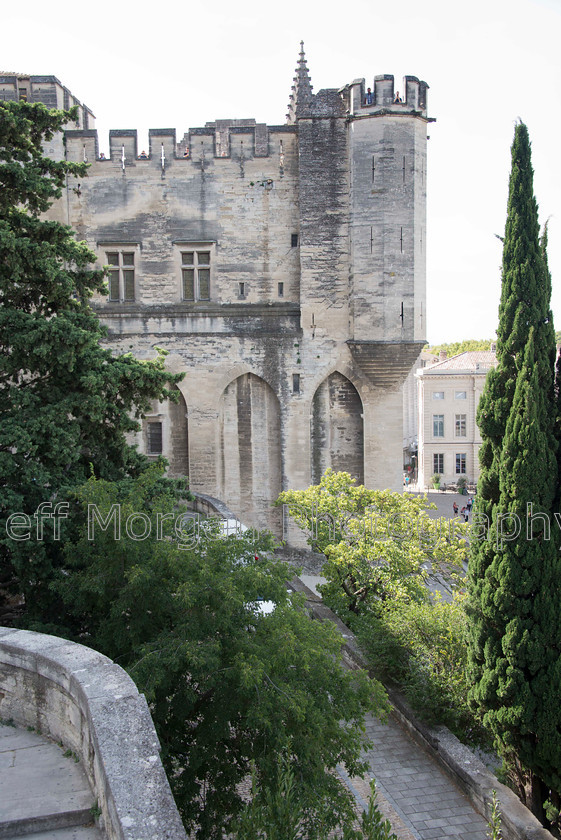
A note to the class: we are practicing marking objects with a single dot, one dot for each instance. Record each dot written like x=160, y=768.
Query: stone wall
x=80, y=697
x=283, y=270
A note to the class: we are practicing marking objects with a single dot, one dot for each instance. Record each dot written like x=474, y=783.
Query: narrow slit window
x=280, y=289
x=295, y=383
x=204, y=284
x=294, y=240
x=128, y=283
x=188, y=284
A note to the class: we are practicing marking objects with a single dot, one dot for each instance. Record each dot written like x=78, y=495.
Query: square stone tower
x=283, y=269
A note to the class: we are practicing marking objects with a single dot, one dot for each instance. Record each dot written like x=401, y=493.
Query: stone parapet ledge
x=81, y=698
x=457, y=760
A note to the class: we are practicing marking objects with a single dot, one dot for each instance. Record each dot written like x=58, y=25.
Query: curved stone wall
x=80, y=697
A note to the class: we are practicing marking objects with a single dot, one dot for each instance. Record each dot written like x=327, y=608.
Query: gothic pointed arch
x=337, y=428
x=250, y=475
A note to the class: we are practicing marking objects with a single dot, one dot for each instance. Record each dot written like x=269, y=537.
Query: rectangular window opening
x=438, y=463
x=241, y=289
x=121, y=276
x=113, y=285
x=294, y=240
x=438, y=425
x=155, y=438
x=195, y=275
x=461, y=425
x=281, y=289
x=460, y=463
x=295, y=383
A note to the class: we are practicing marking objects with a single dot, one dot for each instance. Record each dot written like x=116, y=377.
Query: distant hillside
x=456, y=347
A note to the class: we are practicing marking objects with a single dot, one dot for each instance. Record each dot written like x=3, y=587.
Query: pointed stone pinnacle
x=301, y=98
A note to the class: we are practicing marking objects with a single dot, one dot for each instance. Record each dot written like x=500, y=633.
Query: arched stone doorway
x=337, y=429
x=250, y=451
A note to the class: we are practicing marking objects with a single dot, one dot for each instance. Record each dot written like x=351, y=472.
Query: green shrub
x=421, y=647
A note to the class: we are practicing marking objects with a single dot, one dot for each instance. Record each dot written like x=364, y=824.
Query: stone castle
x=282, y=268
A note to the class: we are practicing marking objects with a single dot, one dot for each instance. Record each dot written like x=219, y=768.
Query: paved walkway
x=44, y=795
x=426, y=801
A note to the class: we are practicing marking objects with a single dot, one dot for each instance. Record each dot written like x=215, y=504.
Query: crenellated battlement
x=382, y=97
x=219, y=139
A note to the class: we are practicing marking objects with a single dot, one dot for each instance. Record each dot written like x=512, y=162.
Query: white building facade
x=449, y=440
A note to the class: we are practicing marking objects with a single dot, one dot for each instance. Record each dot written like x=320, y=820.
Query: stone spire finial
x=301, y=96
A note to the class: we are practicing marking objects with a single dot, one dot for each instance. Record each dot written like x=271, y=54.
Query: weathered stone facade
x=283, y=269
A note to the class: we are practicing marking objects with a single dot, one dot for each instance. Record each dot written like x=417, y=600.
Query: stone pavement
x=426, y=801
x=44, y=795
x=443, y=500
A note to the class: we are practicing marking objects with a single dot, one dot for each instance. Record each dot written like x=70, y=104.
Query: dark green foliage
x=66, y=403
x=514, y=636
x=229, y=688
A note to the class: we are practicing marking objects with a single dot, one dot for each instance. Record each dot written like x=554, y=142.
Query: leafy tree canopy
x=379, y=545
x=455, y=347
x=230, y=687
x=66, y=403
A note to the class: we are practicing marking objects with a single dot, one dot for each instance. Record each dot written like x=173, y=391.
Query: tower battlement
x=15, y=87
x=382, y=96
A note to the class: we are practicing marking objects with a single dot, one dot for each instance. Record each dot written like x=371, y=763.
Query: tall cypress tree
x=66, y=402
x=515, y=593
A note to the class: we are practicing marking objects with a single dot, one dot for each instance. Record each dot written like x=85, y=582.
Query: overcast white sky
x=487, y=62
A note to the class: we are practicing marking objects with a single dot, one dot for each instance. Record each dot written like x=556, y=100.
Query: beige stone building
x=411, y=414
x=449, y=439
x=283, y=270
